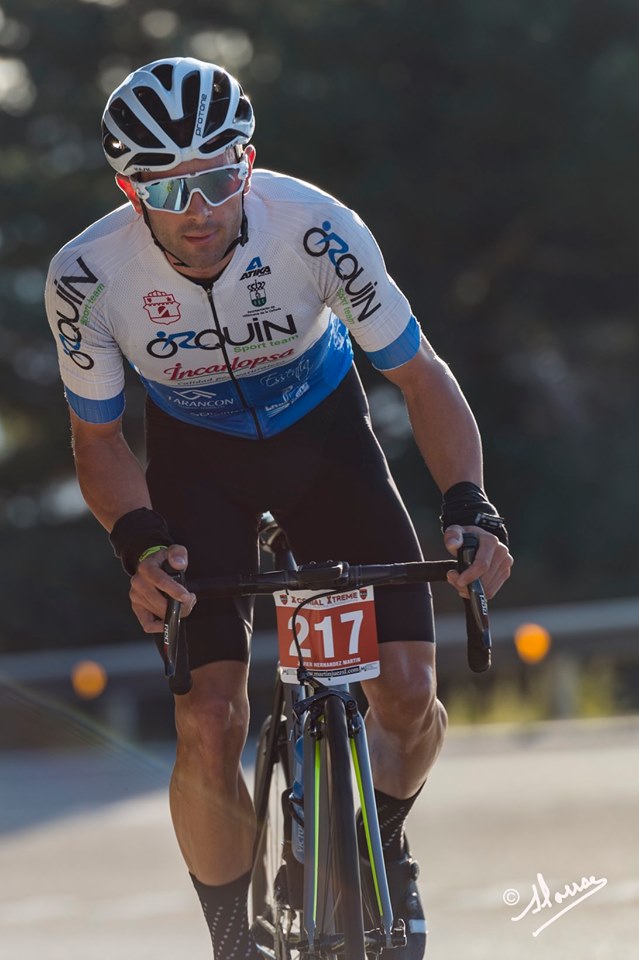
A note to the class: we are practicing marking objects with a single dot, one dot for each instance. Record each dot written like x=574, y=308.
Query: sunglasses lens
x=167, y=195
x=217, y=186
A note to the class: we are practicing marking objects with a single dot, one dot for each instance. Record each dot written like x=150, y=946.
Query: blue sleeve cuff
x=96, y=411
x=400, y=351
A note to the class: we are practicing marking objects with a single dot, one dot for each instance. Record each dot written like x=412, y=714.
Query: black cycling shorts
x=326, y=481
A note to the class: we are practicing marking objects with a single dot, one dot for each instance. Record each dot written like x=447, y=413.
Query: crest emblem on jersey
x=256, y=290
x=162, y=307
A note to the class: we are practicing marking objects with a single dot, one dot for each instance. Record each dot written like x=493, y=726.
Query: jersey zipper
x=234, y=379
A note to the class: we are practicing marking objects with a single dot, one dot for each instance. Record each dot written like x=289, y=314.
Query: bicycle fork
x=386, y=935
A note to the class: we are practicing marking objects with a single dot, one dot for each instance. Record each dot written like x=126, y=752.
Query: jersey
x=252, y=352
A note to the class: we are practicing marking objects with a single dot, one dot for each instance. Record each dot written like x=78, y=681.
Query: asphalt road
x=89, y=868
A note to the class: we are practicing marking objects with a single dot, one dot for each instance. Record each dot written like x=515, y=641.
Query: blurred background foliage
x=491, y=147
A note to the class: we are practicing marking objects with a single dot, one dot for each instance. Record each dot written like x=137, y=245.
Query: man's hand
x=492, y=561
x=150, y=582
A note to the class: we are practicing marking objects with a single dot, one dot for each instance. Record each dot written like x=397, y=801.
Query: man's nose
x=197, y=206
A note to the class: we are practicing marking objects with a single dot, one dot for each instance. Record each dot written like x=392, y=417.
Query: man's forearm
x=448, y=438
x=445, y=429
x=111, y=478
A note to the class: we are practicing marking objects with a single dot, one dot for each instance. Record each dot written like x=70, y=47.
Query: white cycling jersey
x=252, y=353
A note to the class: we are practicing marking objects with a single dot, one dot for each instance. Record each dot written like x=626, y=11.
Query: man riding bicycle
x=233, y=292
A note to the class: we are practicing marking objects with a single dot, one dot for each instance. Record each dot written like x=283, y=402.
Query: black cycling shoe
x=407, y=906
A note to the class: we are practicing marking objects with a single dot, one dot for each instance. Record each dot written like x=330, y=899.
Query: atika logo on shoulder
x=162, y=307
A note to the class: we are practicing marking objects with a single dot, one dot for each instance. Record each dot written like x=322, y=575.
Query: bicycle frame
x=333, y=738
x=304, y=716
x=312, y=709
x=303, y=707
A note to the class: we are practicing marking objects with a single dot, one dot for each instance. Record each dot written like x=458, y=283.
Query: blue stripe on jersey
x=399, y=351
x=278, y=396
x=96, y=411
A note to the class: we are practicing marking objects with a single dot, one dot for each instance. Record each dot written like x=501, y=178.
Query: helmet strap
x=178, y=261
x=242, y=239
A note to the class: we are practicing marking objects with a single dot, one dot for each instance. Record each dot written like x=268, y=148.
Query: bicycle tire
x=264, y=764
x=344, y=878
x=266, y=907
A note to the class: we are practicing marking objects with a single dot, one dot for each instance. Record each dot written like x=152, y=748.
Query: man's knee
x=212, y=720
x=405, y=693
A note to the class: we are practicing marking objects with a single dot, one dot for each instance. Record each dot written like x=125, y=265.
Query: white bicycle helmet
x=174, y=110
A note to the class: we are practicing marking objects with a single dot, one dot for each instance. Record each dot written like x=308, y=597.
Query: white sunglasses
x=173, y=194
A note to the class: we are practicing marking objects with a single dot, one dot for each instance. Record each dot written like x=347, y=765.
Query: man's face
x=199, y=236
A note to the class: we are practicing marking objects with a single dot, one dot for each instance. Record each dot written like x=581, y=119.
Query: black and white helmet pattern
x=171, y=111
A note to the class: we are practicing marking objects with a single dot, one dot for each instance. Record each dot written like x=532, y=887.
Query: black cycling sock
x=226, y=914
x=392, y=815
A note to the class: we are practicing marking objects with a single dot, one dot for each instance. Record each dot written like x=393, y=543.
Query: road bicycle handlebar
x=332, y=576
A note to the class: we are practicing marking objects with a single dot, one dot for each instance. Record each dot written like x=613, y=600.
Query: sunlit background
x=491, y=147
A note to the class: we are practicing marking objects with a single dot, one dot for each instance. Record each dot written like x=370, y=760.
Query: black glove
x=466, y=505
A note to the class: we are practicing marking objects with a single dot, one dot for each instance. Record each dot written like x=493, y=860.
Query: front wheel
x=269, y=906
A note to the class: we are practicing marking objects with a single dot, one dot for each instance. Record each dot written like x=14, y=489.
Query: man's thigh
x=354, y=512
x=221, y=537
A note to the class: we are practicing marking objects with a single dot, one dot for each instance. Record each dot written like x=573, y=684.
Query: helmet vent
x=164, y=73
x=127, y=121
x=114, y=147
x=151, y=160
x=216, y=144
x=218, y=109
x=180, y=131
x=190, y=94
x=244, y=111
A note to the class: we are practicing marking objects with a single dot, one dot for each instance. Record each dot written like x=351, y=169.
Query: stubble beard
x=203, y=259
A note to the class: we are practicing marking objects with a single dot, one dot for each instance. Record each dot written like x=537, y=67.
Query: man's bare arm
x=111, y=477
x=112, y=482
x=443, y=425
x=448, y=438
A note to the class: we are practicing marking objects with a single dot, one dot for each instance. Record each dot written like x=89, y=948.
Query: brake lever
x=176, y=661
x=477, y=623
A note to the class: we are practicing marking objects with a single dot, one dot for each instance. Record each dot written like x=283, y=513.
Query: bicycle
x=314, y=894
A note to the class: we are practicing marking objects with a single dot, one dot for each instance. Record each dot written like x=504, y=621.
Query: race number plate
x=337, y=635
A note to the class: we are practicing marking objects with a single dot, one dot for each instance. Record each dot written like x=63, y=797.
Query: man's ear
x=128, y=190
x=249, y=153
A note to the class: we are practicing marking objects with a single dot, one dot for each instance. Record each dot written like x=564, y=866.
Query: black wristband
x=135, y=532
x=466, y=505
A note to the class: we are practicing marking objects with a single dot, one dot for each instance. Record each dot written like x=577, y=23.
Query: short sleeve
x=353, y=281
x=90, y=360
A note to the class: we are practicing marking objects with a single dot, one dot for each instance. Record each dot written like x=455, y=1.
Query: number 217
x=325, y=628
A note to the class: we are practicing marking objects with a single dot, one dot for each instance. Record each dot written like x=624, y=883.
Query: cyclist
x=232, y=292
